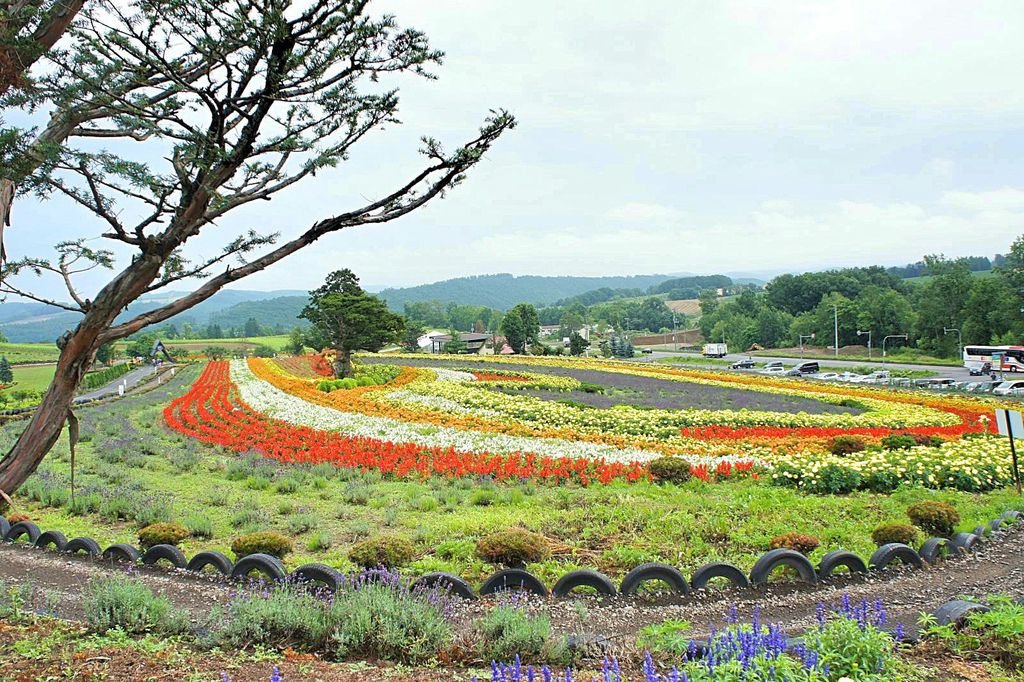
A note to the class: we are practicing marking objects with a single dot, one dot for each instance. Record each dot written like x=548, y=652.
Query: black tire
x=270, y=566
x=165, y=553
x=964, y=542
x=583, y=578
x=654, y=571
x=935, y=550
x=54, y=538
x=215, y=559
x=330, y=578
x=446, y=582
x=833, y=560
x=87, y=545
x=513, y=578
x=955, y=612
x=772, y=559
x=886, y=554
x=5, y=526
x=1011, y=516
x=708, y=572
x=981, y=532
x=121, y=552
x=23, y=528
x=995, y=524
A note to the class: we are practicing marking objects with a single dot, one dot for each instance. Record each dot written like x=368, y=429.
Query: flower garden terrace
x=228, y=449
x=524, y=418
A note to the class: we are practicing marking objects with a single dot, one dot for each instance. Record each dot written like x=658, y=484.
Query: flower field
x=458, y=418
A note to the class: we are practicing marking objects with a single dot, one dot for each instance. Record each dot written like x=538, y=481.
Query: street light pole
x=959, y=339
x=891, y=336
x=868, y=332
x=802, y=337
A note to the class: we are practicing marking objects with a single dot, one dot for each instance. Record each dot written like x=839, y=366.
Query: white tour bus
x=1002, y=358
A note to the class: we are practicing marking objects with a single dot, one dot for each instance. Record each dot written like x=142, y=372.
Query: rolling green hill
x=504, y=291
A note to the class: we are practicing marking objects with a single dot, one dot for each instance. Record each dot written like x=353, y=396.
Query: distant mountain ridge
x=502, y=291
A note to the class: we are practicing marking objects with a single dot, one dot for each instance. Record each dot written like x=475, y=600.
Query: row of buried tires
x=933, y=551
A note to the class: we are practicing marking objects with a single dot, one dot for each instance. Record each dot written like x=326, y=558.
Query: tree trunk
x=6, y=199
x=44, y=428
x=343, y=364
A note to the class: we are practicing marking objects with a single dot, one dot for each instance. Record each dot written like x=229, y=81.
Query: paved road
x=131, y=380
x=957, y=373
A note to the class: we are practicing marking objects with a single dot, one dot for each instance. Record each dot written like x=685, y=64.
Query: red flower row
x=213, y=413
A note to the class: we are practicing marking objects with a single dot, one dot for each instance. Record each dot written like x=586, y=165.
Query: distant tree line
x=984, y=308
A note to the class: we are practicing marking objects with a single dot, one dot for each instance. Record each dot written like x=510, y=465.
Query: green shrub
x=287, y=486
x=670, y=470
x=881, y=481
x=482, y=497
x=301, y=523
x=934, y=518
x=853, y=651
x=805, y=544
x=506, y=632
x=199, y=526
x=389, y=551
x=125, y=603
x=162, y=534
x=375, y=621
x=513, y=547
x=833, y=480
x=899, y=441
x=894, y=532
x=263, y=542
x=846, y=445
x=319, y=541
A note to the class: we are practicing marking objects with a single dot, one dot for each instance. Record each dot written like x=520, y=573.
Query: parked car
x=647, y=351
x=809, y=367
x=978, y=370
x=794, y=372
x=1007, y=387
x=941, y=383
x=776, y=370
x=851, y=377
x=773, y=363
x=745, y=363
x=826, y=376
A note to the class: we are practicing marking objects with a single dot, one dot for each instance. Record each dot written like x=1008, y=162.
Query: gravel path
x=996, y=568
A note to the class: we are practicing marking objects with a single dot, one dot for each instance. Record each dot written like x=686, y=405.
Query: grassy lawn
x=18, y=353
x=35, y=378
x=248, y=343
x=133, y=470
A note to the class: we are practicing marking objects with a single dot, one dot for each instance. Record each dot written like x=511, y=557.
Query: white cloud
x=1004, y=199
x=644, y=213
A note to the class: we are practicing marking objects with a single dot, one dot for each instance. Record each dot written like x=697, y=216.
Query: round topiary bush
x=162, y=534
x=805, y=544
x=513, y=547
x=895, y=532
x=846, y=445
x=670, y=470
x=263, y=542
x=934, y=518
x=388, y=551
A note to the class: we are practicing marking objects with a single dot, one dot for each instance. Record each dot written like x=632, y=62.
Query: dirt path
x=996, y=568
x=64, y=577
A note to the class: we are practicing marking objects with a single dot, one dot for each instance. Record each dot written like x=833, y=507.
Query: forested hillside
x=504, y=291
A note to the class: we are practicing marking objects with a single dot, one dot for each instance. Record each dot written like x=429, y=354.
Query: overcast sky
x=660, y=137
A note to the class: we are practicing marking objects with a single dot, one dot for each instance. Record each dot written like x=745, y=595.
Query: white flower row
x=452, y=375
x=273, y=402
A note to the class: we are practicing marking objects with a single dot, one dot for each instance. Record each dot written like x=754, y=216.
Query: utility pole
x=835, y=312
